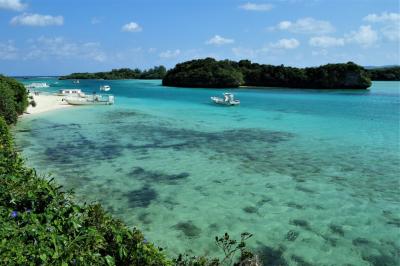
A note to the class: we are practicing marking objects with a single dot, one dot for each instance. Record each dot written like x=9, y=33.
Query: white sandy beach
x=45, y=103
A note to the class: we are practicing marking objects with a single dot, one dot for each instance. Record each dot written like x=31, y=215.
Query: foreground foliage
x=210, y=73
x=157, y=72
x=13, y=99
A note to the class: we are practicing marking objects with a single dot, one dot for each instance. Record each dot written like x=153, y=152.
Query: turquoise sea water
x=313, y=174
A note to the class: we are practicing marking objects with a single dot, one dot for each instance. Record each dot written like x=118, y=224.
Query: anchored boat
x=105, y=88
x=228, y=100
x=71, y=92
x=91, y=100
x=36, y=85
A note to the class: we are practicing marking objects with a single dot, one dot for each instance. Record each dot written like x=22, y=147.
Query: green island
x=157, y=72
x=385, y=73
x=210, y=73
x=40, y=224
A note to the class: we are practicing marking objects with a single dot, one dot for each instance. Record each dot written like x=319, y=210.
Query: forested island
x=385, y=73
x=157, y=72
x=210, y=73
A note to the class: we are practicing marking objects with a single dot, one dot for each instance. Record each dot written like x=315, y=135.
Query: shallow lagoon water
x=312, y=174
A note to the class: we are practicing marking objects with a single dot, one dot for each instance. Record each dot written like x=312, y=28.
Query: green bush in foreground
x=13, y=99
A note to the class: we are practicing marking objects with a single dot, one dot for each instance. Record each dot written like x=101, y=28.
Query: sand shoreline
x=45, y=103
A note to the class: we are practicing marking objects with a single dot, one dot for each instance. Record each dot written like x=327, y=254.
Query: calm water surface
x=314, y=175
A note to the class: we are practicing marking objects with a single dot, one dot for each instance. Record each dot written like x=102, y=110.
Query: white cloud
x=218, y=40
x=285, y=44
x=12, y=4
x=365, y=36
x=37, y=20
x=95, y=20
x=60, y=48
x=390, y=24
x=326, y=41
x=256, y=7
x=383, y=17
x=391, y=32
x=322, y=52
x=306, y=26
x=132, y=27
x=8, y=51
x=170, y=54
x=244, y=52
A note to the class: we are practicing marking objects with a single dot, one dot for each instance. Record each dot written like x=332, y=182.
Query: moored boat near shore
x=91, y=100
x=71, y=92
x=105, y=88
x=228, y=100
x=36, y=85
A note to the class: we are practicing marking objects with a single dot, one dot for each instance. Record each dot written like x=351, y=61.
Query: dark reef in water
x=301, y=223
x=292, y=235
x=153, y=176
x=188, y=228
x=141, y=198
x=336, y=229
x=250, y=209
x=270, y=256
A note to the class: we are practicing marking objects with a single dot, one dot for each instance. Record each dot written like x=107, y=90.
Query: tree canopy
x=385, y=73
x=157, y=72
x=210, y=73
x=13, y=99
x=206, y=73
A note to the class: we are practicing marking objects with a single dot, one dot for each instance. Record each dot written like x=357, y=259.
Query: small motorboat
x=76, y=81
x=91, y=100
x=228, y=100
x=37, y=85
x=105, y=88
x=71, y=92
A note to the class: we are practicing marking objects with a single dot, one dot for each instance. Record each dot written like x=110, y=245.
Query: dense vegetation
x=40, y=224
x=206, y=73
x=13, y=99
x=209, y=73
x=385, y=73
x=157, y=72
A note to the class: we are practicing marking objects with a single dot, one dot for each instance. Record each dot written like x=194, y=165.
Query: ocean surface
x=313, y=174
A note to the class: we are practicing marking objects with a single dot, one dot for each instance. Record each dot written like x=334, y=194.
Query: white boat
x=71, y=92
x=228, y=99
x=36, y=85
x=105, y=88
x=91, y=100
x=76, y=81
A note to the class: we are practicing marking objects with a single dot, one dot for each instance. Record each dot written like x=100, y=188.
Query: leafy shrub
x=157, y=72
x=20, y=95
x=7, y=105
x=13, y=99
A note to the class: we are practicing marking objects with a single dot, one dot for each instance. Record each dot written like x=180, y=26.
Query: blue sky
x=49, y=37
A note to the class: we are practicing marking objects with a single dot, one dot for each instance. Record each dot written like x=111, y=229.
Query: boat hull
x=77, y=102
x=221, y=101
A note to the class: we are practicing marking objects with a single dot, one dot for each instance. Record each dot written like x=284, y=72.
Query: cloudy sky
x=49, y=37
